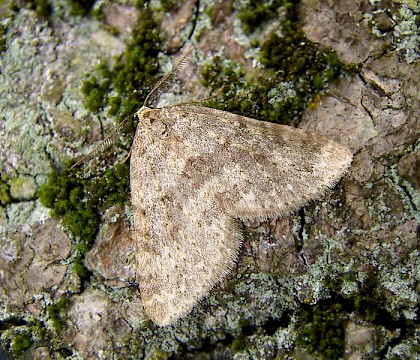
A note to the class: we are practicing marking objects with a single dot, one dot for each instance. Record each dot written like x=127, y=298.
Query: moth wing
x=256, y=169
x=186, y=243
x=194, y=170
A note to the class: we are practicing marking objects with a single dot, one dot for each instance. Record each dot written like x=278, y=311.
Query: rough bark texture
x=337, y=279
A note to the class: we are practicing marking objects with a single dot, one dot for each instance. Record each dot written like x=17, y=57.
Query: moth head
x=141, y=111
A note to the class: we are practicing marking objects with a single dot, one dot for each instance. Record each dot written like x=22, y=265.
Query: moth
x=195, y=173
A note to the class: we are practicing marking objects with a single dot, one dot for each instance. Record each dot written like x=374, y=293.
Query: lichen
x=79, y=198
x=159, y=354
x=240, y=311
x=22, y=187
x=403, y=26
x=79, y=202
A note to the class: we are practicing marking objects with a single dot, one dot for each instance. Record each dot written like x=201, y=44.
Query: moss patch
x=2, y=38
x=323, y=325
x=56, y=314
x=297, y=71
x=96, y=91
x=253, y=13
x=80, y=199
x=132, y=76
x=81, y=7
x=5, y=196
x=22, y=336
x=41, y=7
x=170, y=5
x=323, y=333
x=238, y=345
x=21, y=343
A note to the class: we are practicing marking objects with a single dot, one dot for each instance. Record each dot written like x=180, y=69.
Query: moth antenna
x=109, y=140
x=157, y=89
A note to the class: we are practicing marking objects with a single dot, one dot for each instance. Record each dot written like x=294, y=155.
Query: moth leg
x=127, y=157
x=108, y=141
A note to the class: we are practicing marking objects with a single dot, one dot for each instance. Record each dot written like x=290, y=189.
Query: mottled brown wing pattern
x=194, y=172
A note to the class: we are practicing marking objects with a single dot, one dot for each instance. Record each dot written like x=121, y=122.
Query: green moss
x=266, y=99
x=253, y=13
x=368, y=302
x=69, y=197
x=81, y=7
x=96, y=93
x=5, y=197
x=79, y=200
x=114, y=105
x=323, y=325
x=159, y=354
x=323, y=332
x=79, y=268
x=297, y=72
x=22, y=342
x=224, y=75
x=140, y=4
x=21, y=336
x=415, y=349
x=132, y=76
x=238, y=345
x=170, y=5
x=79, y=203
x=56, y=312
x=42, y=7
x=299, y=59
x=2, y=40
